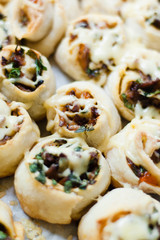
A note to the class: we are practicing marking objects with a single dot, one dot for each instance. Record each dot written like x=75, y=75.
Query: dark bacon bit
x=2, y=16
x=72, y=37
x=4, y=140
x=82, y=24
x=133, y=93
x=4, y=61
x=52, y=172
x=62, y=121
x=94, y=112
x=24, y=87
x=156, y=156
x=156, y=23
x=80, y=94
x=59, y=142
x=142, y=173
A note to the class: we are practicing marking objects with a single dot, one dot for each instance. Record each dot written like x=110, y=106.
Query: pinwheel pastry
x=41, y=22
x=134, y=155
x=92, y=47
x=17, y=134
x=26, y=76
x=83, y=109
x=6, y=35
x=125, y=214
x=9, y=230
x=59, y=178
x=143, y=19
x=135, y=84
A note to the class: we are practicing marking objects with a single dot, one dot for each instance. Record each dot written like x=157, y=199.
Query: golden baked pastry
x=26, y=76
x=59, y=178
x=82, y=109
x=134, y=156
x=17, y=134
x=135, y=84
x=9, y=230
x=92, y=47
x=42, y=23
x=125, y=214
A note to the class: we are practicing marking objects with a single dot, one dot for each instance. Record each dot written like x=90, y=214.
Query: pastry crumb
x=13, y=203
x=2, y=194
x=32, y=231
x=70, y=237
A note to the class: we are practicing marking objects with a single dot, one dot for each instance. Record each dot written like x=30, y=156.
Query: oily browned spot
x=83, y=56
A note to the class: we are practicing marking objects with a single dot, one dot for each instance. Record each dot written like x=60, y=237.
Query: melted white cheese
x=130, y=227
x=104, y=44
x=9, y=125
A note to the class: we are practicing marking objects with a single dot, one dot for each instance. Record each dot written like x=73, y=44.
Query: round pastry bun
x=121, y=214
x=83, y=109
x=133, y=155
x=49, y=182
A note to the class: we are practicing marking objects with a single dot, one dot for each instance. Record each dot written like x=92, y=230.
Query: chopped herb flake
x=38, y=156
x=33, y=167
x=126, y=103
x=78, y=149
x=41, y=178
x=68, y=186
x=84, y=129
x=3, y=235
x=14, y=73
x=32, y=54
x=39, y=66
x=54, y=182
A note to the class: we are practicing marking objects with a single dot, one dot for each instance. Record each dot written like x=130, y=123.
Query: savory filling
x=78, y=111
x=97, y=44
x=142, y=173
x=66, y=163
x=5, y=38
x=156, y=156
x=23, y=18
x=143, y=89
x=133, y=227
x=10, y=122
x=3, y=233
x=24, y=69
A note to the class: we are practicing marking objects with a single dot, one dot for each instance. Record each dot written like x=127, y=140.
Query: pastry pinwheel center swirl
x=91, y=37
x=65, y=164
x=80, y=111
x=142, y=88
x=11, y=120
x=23, y=68
x=146, y=226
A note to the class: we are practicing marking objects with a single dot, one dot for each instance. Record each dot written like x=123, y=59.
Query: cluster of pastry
x=106, y=44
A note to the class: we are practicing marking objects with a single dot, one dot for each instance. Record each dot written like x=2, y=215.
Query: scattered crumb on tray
x=70, y=237
x=13, y=203
x=32, y=231
x=2, y=194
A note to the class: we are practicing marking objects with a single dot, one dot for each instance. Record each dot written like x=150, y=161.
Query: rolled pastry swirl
x=26, y=76
x=62, y=177
x=134, y=155
x=143, y=19
x=83, y=109
x=125, y=214
x=91, y=48
x=9, y=230
x=17, y=134
x=135, y=84
x=42, y=23
x=6, y=35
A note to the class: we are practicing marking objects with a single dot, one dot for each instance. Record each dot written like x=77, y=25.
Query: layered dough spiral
x=6, y=34
x=42, y=23
x=134, y=155
x=26, y=76
x=125, y=214
x=17, y=134
x=135, y=84
x=143, y=21
x=83, y=109
x=92, y=46
x=9, y=230
x=59, y=178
